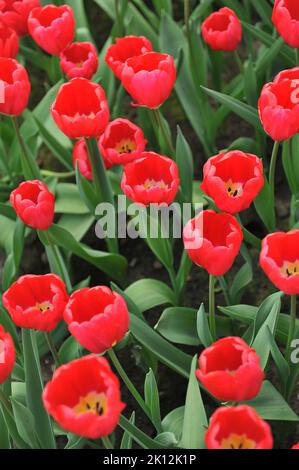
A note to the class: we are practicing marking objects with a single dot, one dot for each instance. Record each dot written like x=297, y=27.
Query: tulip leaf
x=126, y=441
x=173, y=422
x=152, y=399
x=203, y=328
x=25, y=423
x=139, y=436
x=68, y=201
x=264, y=206
x=280, y=362
x=184, y=159
x=149, y=293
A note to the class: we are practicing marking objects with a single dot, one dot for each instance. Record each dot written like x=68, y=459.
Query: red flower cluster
x=98, y=318
x=279, y=105
x=9, y=42
x=230, y=370
x=233, y=180
x=222, y=30
x=7, y=355
x=152, y=178
x=34, y=204
x=213, y=241
x=237, y=428
x=122, y=142
x=84, y=397
x=147, y=76
x=36, y=302
x=286, y=20
x=52, y=27
x=16, y=87
x=14, y=13
x=81, y=109
x=79, y=59
x=80, y=155
x=279, y=259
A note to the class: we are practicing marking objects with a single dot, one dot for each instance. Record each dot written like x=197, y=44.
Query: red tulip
x=79, y=59
x=149, y=78
x=279, y=259
x=296, y=446
x=14, y=13
x=9, y=42
x=122, y=142
x=84, y=397
x=80, y=155
x=279, y=105
x=34, y=204
x=237, y=428
x=213, y=241
x=233, y=180
x=152, y=178
x=98, y=318
x=222, y=30
x=230, y=370
x=52, y=27
x=81, y=109
x=14, y=87
x=36, y=302
x=7, y=355
x=125, y=48
x=286, y=20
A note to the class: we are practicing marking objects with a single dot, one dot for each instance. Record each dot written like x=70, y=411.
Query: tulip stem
x=29, y=165
x=118, y=19
x=54, y=174
x=52, y=348
x=212, y=316
x=161, y=125
x=239, y=61
x=107, y=442
x=292, y=325
x=273, y=169
x=130, y=386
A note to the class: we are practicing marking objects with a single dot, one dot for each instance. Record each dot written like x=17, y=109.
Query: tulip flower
x=222, y=30
x=36, y=302
x=230, y=370
x=34, y=204
x=295, y=446
x=15, y=87
x=98, y=318
x=152, y=178
x=149, y=78
x=81, y=109
x=238, y=428
x=125, y=48
x=52, y=27
x=14, y=13
x=233, y=180
x=9, y=42
x=79, y=59
x=122, y=142
x=84, y=397
x=285, y=17
x=213, y=241
x=7, y=355
x=80, y=155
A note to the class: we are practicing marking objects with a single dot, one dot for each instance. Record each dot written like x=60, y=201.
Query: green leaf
x=126, y=442
x=270, y=405
x=68, y=201
x=152, y=399
x=242, y=279
x=203, y=329
x=173, y=422
x=280, y=362
x=25, y=423
x=149, y=293
x=264, y=206
x=140, y=437
x=246, y=144
x=164, y=351
x=195, y=419
x=4, y=435
x=184, y=159
x=250, y=83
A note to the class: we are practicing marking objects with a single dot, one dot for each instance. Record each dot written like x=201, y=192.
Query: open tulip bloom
x=149, y=227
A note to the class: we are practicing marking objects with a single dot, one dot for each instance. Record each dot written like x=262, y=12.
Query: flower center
x=79, y=64
x=44, y=306
x=125, y=146
x=89, y=116
x=95, y=403
x=233, y=189
x=236, y=441
x=290, y=269
x=150, y=183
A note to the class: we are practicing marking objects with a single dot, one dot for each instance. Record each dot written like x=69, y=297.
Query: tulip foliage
x=186, y=108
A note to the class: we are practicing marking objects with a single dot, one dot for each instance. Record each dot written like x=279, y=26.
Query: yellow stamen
x=290, y=269
x=44, y=307
x=125, y=146
x=235, y=441
x=95, y=403
x=233, y=189
x=79, y=64
x=150, y=183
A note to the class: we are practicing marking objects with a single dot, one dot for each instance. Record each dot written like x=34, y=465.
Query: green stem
x=239, y=61
x=119, y=22
x=130, y=386
x=164, y=132
x=107, y=442
x=30, y=167
x=273, y=168
x=54, y=174
x=292, y=325
x=52, y=348
x=172, y=277
x=212, y=316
